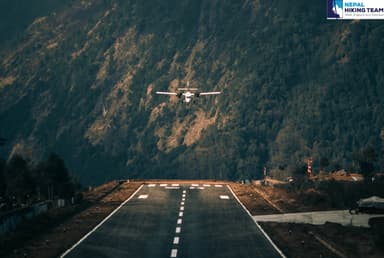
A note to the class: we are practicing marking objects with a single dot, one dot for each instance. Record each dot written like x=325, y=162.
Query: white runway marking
x=101, y=223
x=182, y=208
x=257, y=224
x=195, y=185
x=183, y=195
x=218, y=185
x=207, y=185
x=175, y=184
x=151, y=185
x=178, y=230
x=184, y=191
x=201, y=188
x=182, y=203
x=181, y=214
x=192, y=187
x=162, y=185
x=183, y=200
x=179, y=221
x=172, y=187
x=174, y=253
x=143, y=196
x=176, y=240
x=224, y=197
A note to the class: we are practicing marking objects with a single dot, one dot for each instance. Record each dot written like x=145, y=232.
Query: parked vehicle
x=373, y=204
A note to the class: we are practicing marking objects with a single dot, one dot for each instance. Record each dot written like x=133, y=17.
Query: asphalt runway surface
x=172, y=220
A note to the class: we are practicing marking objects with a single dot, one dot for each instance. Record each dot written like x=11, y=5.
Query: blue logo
x=334, y=9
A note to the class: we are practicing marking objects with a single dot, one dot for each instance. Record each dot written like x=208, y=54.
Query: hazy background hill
x=79, y=80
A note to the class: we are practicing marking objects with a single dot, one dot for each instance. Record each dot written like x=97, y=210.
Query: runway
x=172, y=220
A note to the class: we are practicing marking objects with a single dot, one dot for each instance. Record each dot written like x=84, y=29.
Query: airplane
x=188, y=93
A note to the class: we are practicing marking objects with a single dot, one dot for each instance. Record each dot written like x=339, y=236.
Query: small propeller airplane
x=188, y=93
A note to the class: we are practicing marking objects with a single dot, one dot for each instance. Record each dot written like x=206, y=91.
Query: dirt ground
x=68, y=225
x=301, y=240
x=61, y=228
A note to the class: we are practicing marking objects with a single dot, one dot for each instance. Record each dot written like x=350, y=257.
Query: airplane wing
x=166, y=93
x=209, y=93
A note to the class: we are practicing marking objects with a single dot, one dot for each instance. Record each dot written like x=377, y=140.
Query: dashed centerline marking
x=174, y=253
x=224, y=197
x=176, y=239
x=143, y=196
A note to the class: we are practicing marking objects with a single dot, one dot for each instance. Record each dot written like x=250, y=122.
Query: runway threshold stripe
x=172, y=187
x=101, y=223
x=257, y=224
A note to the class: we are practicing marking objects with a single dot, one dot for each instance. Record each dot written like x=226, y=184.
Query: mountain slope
x=81, y=82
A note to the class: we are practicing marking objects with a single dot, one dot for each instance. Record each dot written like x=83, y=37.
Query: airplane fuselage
x=188, y=96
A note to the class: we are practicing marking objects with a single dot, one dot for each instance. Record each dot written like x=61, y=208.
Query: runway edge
x=257, y=224
x=101, y=223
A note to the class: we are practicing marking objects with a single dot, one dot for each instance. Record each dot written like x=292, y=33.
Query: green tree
x=366, y=160
x=56, y=180
x=2, y=178
x=19, y=183
x=324, y=162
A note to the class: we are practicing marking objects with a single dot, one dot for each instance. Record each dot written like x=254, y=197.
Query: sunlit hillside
x=80, y=80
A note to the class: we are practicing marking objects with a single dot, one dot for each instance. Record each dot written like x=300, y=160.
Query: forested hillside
x=81, y=80
x=17, y=15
